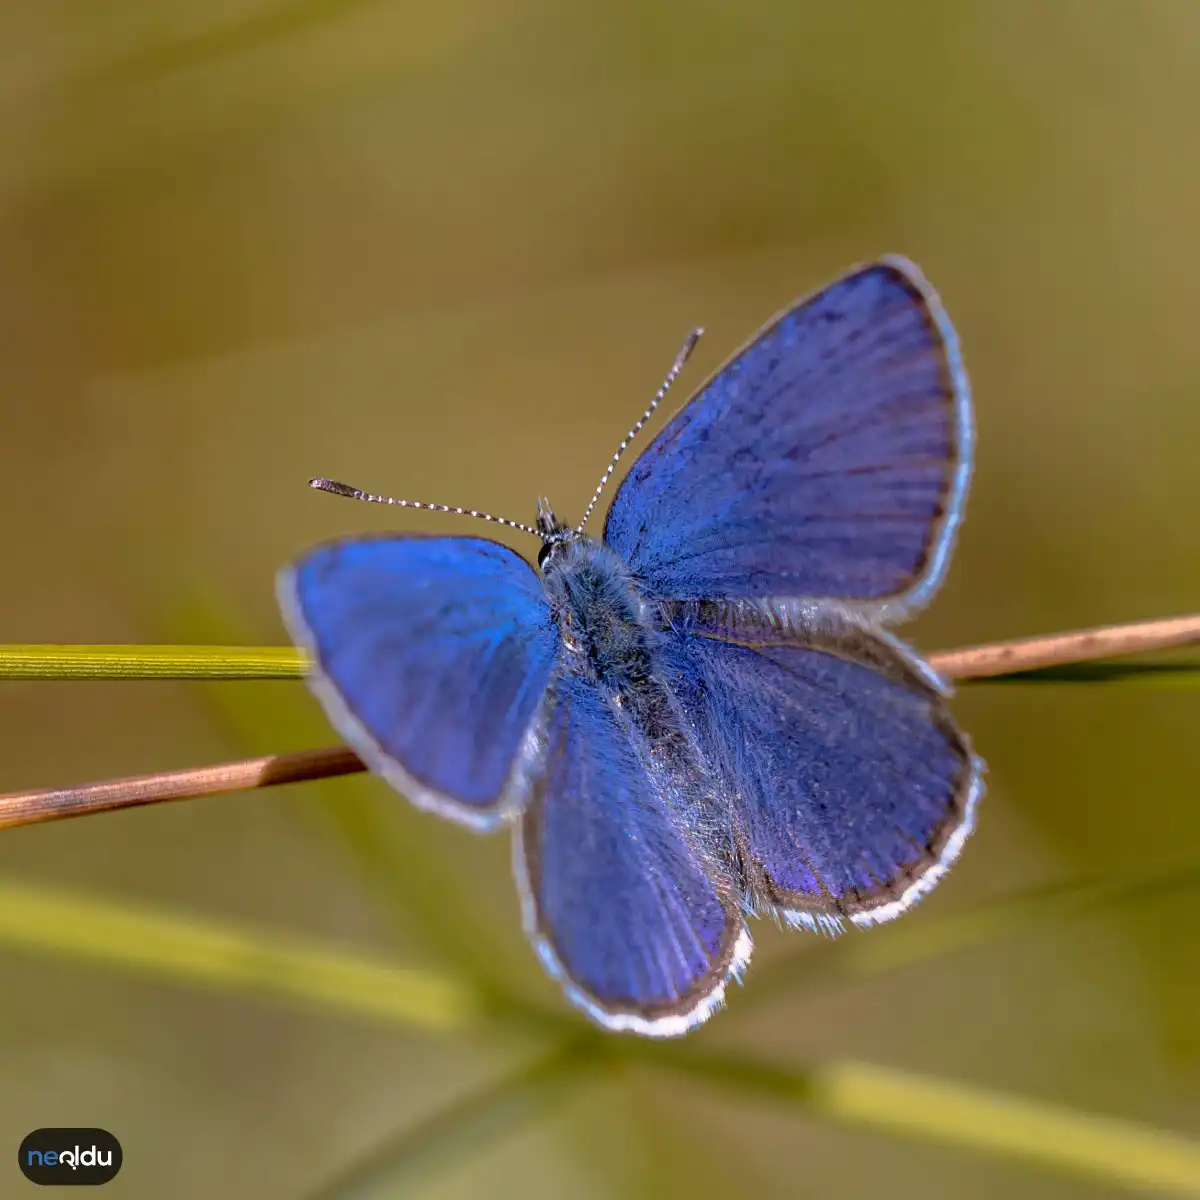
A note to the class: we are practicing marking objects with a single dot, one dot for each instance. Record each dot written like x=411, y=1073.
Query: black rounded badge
x=69, y=1157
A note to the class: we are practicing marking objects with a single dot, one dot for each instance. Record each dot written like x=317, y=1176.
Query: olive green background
x=447, y=251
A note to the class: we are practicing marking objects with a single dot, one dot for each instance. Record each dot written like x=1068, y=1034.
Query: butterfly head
x=556, y=536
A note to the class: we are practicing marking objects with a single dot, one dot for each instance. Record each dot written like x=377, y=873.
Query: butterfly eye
x=554, y=546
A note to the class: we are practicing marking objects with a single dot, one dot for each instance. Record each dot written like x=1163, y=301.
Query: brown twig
x=1059, y=649
x=53, y=804
x=972, y=662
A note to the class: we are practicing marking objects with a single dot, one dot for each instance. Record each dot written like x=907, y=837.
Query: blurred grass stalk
x=192, y=951
x=1116, y=1152
x=476, y=1121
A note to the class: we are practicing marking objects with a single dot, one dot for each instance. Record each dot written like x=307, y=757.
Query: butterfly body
x=607, y=628
x=701, y=715
x=617, y=643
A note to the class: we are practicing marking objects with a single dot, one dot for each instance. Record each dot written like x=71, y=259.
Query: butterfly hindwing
x=431, y=657
x=641, y=928
x=829, y=457
x=850, y=786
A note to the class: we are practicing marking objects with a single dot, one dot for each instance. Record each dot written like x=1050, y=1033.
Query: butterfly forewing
x=829, y=458
x=431, y=657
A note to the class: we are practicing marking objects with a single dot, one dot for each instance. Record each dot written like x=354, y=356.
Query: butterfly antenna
x=341, y=489
x=677, y=366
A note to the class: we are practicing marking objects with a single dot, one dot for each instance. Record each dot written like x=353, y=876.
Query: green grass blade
x=151, y=662
x=1116, y=1152
x=50, y=662
x=459, y=1133
x=175, y=948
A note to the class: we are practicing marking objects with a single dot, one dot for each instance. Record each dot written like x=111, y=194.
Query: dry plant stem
x=1060, y=649
x=53, y=804
x=973, y=662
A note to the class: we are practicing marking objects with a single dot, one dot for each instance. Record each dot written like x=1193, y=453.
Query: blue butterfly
x=701, y=716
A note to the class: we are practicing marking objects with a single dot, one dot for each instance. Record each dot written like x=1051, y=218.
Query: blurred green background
x=447, y=251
